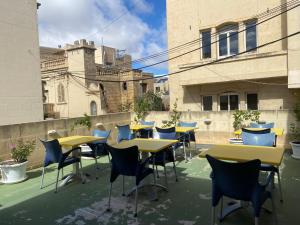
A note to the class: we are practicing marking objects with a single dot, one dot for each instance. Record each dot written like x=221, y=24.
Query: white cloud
x=64, y=21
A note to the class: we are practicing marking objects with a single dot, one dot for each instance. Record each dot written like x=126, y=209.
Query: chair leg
x=279, y=185
x=96, y=163
x=166, y=178
x=136, y=200
x=154, y=181
x=156, y=171
x=43, y=175
x=221, y=210
x=56, y=181
x=174, y=168
x=62, y=173
x=123, y=185
x=110, y=190
x=81, y=174
x=213, y=211
x=256, y=220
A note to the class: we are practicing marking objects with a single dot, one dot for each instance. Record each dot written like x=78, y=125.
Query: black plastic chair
x=98, y=148
x=238, y=181
x=126, y=162
x=167, y=155
x=54, y=154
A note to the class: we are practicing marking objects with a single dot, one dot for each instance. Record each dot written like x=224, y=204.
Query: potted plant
x=295, y=134
x=240, y=118
x=174, y=117
x=14, y=170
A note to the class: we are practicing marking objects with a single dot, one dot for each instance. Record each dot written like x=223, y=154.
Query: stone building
x=267, y=78
x=81, y=78
x=161, y=86
x=20, y=83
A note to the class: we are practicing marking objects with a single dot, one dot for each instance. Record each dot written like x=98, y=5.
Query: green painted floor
x=186, y=203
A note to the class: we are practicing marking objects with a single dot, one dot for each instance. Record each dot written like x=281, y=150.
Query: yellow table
x=147, y=144
x=138, y=127
x=184, y=129
x=241, y=153
x=277, y=131
x=74, y=141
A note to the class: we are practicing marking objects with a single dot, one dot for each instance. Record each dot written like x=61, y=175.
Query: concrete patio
x=187, y=202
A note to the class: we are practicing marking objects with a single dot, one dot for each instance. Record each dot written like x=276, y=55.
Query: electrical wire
x=202, y=65
x=188, y=52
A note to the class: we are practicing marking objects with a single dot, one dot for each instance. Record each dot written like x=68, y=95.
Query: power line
x=202, y=65
x=236, y=33
x=196, y=41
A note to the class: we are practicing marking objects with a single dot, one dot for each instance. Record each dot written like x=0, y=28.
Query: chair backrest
x=149, y=123
x=267, y=139
x=235, y=180
x=53, y=151
x=168, y=133
x=262, y=131
x=259, y=125
x=124, y=132
x=101, y=133
x=124, y=161
x=187, y=124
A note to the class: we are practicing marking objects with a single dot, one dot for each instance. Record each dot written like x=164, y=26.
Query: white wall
x=20, y=81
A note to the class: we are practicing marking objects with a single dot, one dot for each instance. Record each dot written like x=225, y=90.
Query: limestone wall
x=220, y=128
x=29, y=131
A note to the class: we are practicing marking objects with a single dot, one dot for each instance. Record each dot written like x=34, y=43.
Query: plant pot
x=296, y=149
x=13, y=173
x=236, y=141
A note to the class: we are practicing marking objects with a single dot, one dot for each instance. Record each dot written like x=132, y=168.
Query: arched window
x=93, y=107
x=60, y=93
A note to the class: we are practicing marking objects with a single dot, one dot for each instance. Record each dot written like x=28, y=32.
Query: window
x=229, y=102
x=93, y=107
x=144, y=88
x=207, y=103
x=60, y=93
x=157, y=89
x=252, y=102
x=251, y=40
x=206, y=44
x=124, y=86
x=228, y=41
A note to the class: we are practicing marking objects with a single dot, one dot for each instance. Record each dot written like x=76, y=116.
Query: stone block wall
x=39, y=130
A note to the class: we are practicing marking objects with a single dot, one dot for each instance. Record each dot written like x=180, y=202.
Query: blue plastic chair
x=97, y=147
x=168, y=154
x=124, y=133
x=190, y=135
x=126, y=162
x=259, y=125
x=240, y=182
x=54, y=154
x=267, y=139
x=259, y=139
x=148, y=132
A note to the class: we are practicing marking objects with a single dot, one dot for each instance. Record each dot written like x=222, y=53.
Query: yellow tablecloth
x=147, y=144
x=240, y=153
x=74, y=141
x=140, y=127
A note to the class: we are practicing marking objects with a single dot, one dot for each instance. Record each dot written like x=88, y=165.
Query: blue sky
x=139, y=26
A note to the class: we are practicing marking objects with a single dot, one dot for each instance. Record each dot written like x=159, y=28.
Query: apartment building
x=20, y=83
x=265, y=78
x=82, y=78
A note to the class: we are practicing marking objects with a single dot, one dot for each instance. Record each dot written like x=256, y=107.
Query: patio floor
x=187, y=202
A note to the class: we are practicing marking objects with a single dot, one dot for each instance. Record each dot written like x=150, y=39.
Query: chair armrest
x=66, y=154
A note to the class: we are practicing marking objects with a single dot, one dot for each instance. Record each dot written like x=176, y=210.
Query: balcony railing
x=54, y=64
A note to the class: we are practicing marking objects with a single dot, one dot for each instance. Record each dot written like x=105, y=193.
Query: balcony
x=60, y=63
